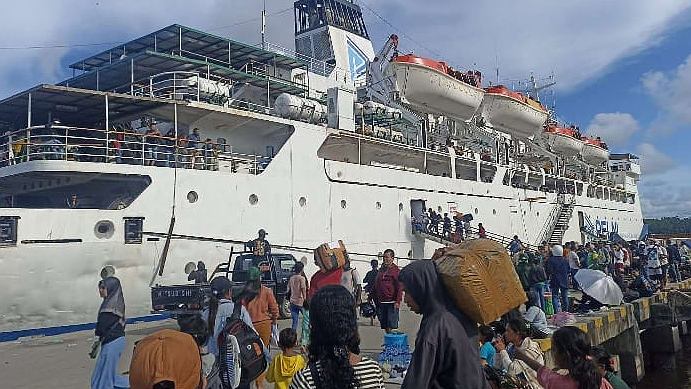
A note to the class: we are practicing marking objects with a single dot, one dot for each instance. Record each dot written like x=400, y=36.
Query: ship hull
x=368, y=207
x=427, y=89
x=509, y=115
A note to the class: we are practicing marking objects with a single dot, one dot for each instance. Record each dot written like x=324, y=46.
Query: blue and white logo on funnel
x=357, y=60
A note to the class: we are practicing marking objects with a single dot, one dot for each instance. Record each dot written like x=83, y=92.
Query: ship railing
x=187, y=86
x=314, y=65
x=62, y=143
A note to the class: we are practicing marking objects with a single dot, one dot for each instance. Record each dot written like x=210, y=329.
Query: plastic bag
x=274, y=336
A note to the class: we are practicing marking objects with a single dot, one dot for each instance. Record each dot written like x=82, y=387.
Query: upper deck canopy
x=176, y=38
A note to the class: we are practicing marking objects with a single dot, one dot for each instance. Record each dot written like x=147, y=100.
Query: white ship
x=313, y=145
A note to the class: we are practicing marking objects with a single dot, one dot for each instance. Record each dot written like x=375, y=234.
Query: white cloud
x=671, y=92
x=666, y=194
x=615, y=128
x=577, y=40
x=654, y=161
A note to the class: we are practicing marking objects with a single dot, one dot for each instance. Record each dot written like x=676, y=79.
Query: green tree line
x=669, y=225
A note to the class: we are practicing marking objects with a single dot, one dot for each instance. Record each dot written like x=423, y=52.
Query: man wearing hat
x=260, y=246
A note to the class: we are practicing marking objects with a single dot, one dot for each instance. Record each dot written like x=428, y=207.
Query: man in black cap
x=260, y=246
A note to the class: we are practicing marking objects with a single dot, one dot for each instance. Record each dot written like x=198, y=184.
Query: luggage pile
x=480, y=278
x=331, y=256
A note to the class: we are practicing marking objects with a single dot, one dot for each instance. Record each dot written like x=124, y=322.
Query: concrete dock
x=62, y=361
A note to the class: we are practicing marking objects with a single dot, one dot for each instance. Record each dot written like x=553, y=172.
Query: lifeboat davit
x=564, y=141
x=431, y=86
x=513, y=112
x=594, y=151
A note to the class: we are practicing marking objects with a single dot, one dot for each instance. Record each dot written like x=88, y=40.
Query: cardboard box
x=480, y=278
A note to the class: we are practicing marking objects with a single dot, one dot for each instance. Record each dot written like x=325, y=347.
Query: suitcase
x=331, y=256
x=480, y=278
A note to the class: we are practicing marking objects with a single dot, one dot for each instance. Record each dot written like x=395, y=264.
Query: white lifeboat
x=512, y=112
x=564, y=141
x=430, y=86
x=594, y=151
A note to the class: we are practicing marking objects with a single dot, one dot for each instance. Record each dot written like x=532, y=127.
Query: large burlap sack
x=480, y=278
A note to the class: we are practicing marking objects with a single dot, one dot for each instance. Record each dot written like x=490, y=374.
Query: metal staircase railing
x=558, y=220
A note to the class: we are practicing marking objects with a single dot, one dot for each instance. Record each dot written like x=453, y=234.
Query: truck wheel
x=284, y=308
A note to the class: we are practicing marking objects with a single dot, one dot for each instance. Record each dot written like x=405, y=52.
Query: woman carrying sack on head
x=110, y=330
x=262, y=307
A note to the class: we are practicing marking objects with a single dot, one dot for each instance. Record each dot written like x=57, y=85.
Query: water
x=673, y=372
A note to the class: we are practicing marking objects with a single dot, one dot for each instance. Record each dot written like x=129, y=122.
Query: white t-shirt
x=573, y=260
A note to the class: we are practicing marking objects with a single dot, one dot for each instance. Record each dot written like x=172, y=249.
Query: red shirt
x=321, y=279
x=387, y=289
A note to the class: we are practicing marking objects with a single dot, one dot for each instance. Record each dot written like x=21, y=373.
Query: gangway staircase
x=558, y=220
x=474, y=234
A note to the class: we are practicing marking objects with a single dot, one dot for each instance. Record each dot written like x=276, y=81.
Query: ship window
x=134, y=227
x=8, y=230
x=62, y=190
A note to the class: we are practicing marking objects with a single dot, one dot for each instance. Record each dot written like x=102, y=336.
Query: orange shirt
x=263, y=307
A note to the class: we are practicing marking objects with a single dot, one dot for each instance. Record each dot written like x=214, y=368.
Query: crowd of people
x=120, y=144
x=451, y=350
x=454, y=228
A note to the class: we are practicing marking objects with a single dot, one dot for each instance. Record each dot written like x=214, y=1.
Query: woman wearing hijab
x=110, y=330
x=446, y=355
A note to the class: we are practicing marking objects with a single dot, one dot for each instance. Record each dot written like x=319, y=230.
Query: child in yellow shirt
x=284, y=365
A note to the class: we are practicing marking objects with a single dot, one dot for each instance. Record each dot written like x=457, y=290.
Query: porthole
x=476, y=211
x=192, y=197
x=104, y=229
x=339, y=174
x=254, y=199
x=344, y=204
x=378, y=205
x=302, y=201
x=538, y=213
x=494, y=212
x=400, y=207
x=439, y=209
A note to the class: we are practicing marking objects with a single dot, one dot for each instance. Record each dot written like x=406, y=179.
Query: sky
x=623, y=67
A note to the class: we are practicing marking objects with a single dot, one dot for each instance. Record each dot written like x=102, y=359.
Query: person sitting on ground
x=643, y=285
x=535, y=316
x=166, y=359
x=487, y=350
x=446, y=354
x=604, y=364
x=286, y=364
x=334, y=351
x=517, y=335
x=571, y=351
x=198, y=276
x=629, y=294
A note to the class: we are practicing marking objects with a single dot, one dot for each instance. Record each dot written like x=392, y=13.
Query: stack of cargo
x=331, y=256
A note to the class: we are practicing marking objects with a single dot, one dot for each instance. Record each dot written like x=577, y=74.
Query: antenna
x=264, y=26
x=534, y=89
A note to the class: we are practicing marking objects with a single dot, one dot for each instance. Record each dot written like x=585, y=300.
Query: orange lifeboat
x=434, y=87
x=594, y=151
x=512, y=111
x=563, y=140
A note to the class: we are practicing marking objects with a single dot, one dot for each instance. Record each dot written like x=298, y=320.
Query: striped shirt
x=367, y=372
